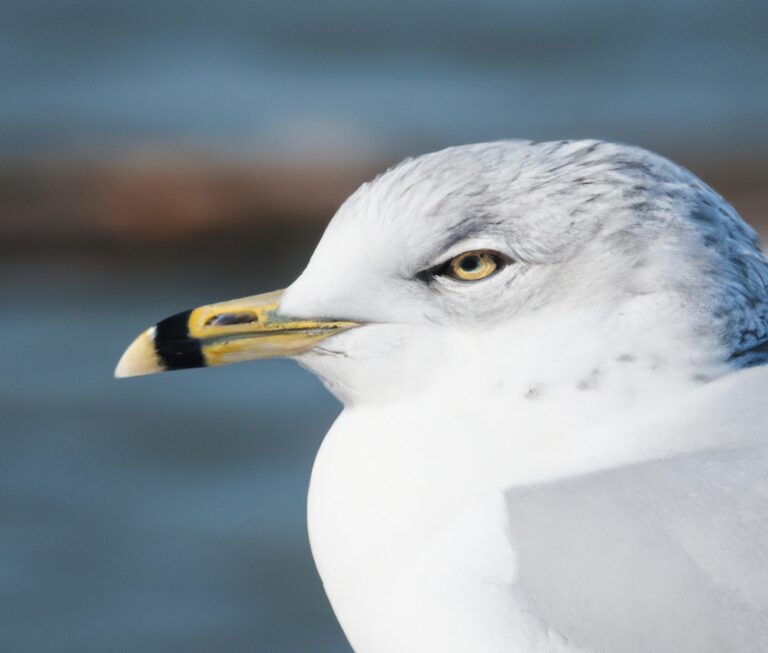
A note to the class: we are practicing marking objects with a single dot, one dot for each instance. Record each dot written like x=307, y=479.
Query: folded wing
x=667, y=556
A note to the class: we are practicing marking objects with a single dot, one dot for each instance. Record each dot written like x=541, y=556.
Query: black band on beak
x=173, y=344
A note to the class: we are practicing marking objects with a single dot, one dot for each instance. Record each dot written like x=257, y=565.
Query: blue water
x=343, y=77
x=157, y=514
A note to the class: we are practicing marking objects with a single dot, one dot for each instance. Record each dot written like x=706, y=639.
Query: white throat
x=532, y=402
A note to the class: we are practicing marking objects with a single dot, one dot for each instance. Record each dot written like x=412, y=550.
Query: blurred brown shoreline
x=95, y=206
x=138, y=202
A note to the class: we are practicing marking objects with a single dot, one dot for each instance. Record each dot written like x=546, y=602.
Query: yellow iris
x=473, y=266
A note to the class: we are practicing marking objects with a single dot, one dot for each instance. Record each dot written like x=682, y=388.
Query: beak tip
x=140, y=357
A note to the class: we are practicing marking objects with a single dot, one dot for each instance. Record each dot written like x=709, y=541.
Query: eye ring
x=474, y=265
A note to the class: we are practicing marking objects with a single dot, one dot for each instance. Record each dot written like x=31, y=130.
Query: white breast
x=404, y=552
x=406, y=507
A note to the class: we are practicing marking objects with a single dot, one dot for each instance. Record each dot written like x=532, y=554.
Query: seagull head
x=515, y=264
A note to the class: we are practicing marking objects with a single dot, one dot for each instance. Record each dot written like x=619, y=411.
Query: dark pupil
x=470, y=263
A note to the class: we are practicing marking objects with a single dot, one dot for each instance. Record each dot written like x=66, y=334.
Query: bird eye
x=475, y=265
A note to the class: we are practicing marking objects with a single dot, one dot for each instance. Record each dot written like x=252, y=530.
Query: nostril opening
x=227, y=319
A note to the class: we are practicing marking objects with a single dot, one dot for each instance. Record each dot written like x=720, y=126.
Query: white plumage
x=569, y=455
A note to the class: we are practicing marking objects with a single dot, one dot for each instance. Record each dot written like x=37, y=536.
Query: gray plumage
x=568, y=456
x=659, y=557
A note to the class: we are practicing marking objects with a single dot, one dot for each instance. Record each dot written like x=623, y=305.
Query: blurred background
x=157, y=155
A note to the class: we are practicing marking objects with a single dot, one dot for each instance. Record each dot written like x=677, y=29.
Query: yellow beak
x=218, y=334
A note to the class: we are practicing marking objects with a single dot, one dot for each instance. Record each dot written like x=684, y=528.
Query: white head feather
x=633, y=293
x=620, y=256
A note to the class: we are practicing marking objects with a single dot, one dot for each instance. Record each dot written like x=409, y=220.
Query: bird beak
x=218, y=334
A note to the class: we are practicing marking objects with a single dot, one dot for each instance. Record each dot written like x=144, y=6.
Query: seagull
x=552, y=364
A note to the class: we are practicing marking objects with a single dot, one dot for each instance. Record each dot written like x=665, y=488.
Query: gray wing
x=668, y=556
